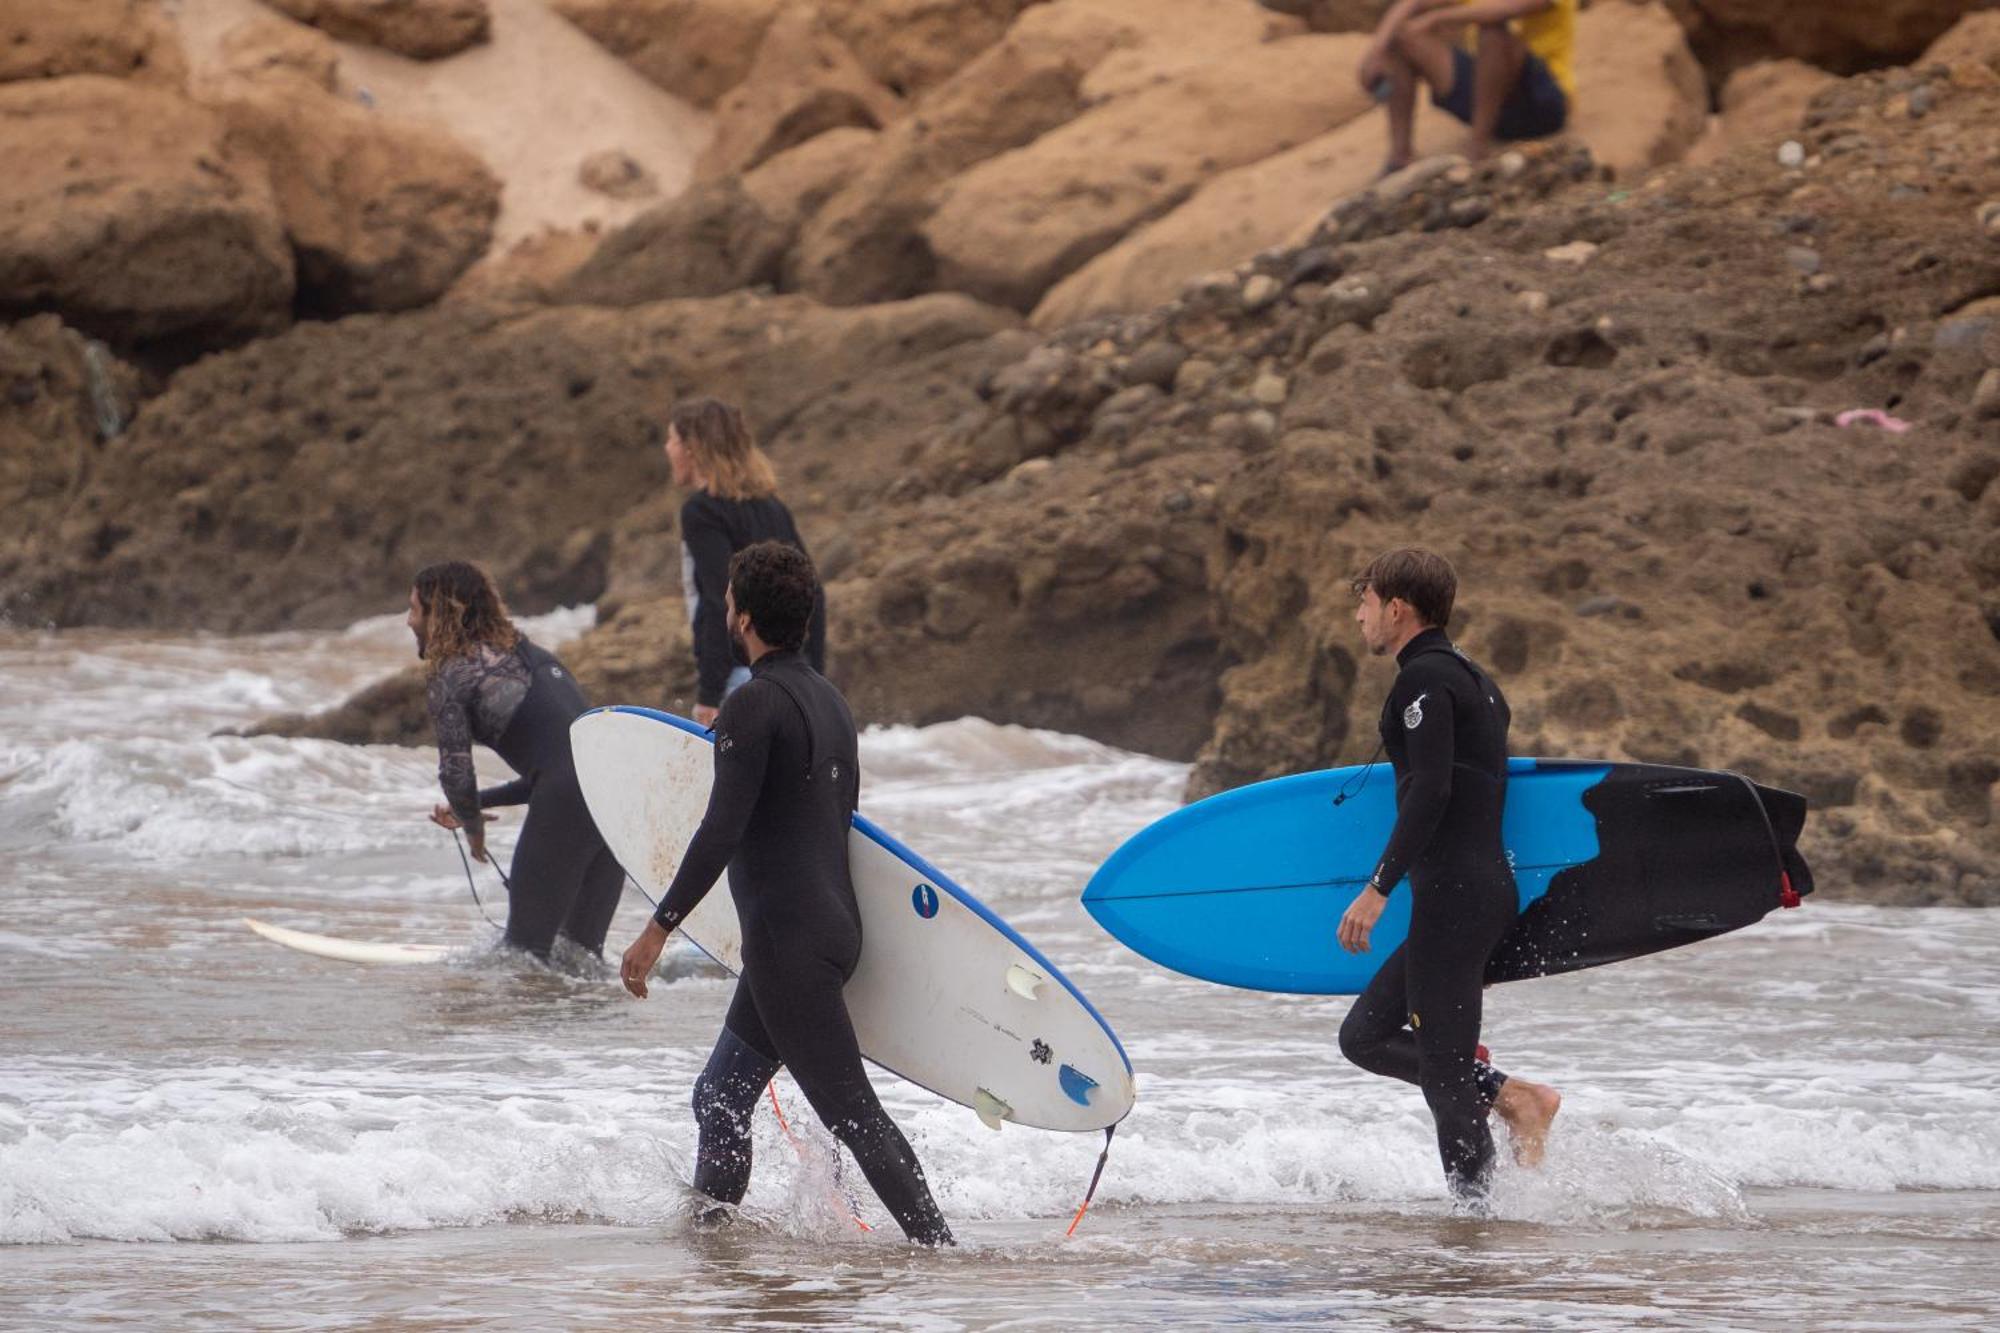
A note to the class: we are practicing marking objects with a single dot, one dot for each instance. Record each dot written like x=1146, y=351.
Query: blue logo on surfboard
x=924, y=898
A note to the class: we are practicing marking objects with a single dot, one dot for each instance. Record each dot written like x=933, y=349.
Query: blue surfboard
x=1612, y=861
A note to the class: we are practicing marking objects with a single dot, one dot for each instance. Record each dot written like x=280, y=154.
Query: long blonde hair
x=724, y=451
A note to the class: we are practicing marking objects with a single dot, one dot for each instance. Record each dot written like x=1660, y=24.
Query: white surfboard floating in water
x=946, y=994
x=349, y=951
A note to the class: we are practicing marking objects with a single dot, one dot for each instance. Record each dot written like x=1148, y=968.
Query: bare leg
x=1402, y=113
x=1527, y=1110
x=1496, y=69
x=1413, y=58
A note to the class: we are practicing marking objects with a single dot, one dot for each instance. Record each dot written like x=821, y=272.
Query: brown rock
x=1641, y=98
x=803, y=83
x=419, y=29
x=1762, y=104
x=911, y=45
x=696, y=49
x=122, y=209
x=1974, y=39
x=533, y=269
x=867, y=244
x=711, y=240
x=450, y=411
x=792, y=186
x=1840, y=37
x=268, y=46
x=1232, y=217
x=61, y=398
x=122, y=39
x=1013, y=226
x=617, y=175
x=383, y=215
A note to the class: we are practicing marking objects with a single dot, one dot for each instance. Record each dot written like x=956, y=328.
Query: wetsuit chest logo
x=1413, y=716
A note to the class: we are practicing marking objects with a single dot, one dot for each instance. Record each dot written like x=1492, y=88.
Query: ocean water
x=1798, y=1126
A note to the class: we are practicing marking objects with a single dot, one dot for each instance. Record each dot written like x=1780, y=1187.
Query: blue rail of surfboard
x=937, y=878
x=1246, y=888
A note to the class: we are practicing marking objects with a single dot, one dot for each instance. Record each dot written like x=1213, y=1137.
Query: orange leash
x=800, y=1149
x=1095, y=1176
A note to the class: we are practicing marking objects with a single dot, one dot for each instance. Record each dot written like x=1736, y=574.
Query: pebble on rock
x=1577, y=253
x=1791, y=154
x=1260, y=291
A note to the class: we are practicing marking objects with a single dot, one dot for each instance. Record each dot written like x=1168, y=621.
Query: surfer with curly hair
x=485, y=682
x=787, y=776
x=735, y=502
x=1445, y=729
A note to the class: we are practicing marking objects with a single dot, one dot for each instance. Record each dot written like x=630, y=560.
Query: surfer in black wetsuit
x=485, y=682
x=1445, y=729
x=787, y=776
x=735, y=503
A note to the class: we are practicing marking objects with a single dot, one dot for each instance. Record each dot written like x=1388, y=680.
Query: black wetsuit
x=521, y=703
x=1445, y=728
x=787, y=775
x=712, y=531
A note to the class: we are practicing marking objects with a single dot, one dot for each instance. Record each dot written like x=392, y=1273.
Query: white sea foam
x=234, y=1090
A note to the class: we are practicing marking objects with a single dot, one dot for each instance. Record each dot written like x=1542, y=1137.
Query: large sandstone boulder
x=701, y=49
x=804, y=82
x=912, y=45
x=123, y=209
x=867, y=243
x=1231, y=218
x=123, y=39
x=792, y=186
x=268, y=46
x=696, y=49
x=382, y=215
x=420, y=29
x=1012, y=227
x=713, y=239
x=1762, y=104
x=1974, y=39
x=1641, y=98
x=1639, y=102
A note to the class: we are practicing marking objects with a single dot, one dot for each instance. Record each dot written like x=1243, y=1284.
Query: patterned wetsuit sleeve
x=709, y=552
x=743, y=734
x=1422, y=800
x=448, y=696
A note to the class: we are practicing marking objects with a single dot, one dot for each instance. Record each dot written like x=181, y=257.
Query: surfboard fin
x=990, y=1109
x=1076, y=1085
x=1024, y=983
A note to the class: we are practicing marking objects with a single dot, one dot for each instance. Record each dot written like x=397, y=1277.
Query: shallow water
x=1793, y=1126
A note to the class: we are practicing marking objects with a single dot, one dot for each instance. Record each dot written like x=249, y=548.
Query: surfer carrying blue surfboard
x=787, y=778
x=1444, y=727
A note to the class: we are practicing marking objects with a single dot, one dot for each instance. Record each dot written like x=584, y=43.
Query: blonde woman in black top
x=735, y=504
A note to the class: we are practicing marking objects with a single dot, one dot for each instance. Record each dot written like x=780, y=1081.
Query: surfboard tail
x=1787, y=813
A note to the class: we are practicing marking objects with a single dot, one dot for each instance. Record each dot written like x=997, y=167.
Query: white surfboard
x=349, y=951
x=946, y=994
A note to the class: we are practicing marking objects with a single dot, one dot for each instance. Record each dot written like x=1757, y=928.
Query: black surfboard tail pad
x=1683, y=855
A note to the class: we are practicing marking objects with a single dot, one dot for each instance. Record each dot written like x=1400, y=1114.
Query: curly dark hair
x=462, y=609
x=775, y=584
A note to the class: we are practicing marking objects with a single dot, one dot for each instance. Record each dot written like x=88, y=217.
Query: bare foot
x=1528, y=1108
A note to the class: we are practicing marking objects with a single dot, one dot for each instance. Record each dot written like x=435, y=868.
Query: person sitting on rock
x=735, y=504
x=1504, y=67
